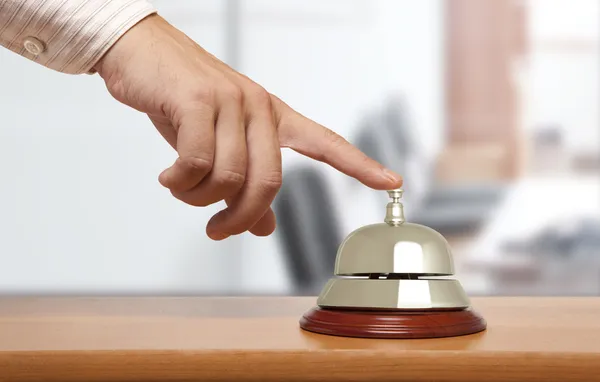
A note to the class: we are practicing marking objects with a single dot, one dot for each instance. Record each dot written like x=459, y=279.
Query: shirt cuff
x=68, y=36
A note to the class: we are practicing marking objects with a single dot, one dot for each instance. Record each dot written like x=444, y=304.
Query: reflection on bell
x=392, y=281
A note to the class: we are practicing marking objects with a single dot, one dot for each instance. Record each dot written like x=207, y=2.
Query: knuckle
x=270, y=184
x=230, y=179
x=203, y=93
x=236, y=221
x=197, y=163
x=259, y=96
x=232, y=92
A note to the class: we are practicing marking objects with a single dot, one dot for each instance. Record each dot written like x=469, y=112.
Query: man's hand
x=226, y=129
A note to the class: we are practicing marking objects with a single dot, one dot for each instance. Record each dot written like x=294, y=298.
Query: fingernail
x=392, y=176
x=218, y=236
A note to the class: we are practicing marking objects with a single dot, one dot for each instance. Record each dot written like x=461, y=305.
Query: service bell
x=393, y=280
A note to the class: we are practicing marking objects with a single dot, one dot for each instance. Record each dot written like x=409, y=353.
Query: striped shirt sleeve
x=68, y=36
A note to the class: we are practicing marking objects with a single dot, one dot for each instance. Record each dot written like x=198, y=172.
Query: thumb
x=318, y=142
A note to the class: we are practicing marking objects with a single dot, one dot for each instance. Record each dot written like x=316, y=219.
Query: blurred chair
x=308, y=229
x=449, y=209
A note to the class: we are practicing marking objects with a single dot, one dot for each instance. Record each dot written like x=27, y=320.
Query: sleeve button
x=33, y=45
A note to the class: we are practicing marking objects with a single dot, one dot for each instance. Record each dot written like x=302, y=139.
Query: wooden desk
x=239, y=339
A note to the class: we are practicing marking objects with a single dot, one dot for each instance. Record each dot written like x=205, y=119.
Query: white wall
x=80, y=208
x=563, y=85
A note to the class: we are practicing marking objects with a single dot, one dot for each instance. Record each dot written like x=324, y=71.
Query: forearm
x=68, y=36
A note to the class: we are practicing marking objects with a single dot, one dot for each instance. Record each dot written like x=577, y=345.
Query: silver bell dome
x=394, y=265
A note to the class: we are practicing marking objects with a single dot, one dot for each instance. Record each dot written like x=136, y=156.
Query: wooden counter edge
x=330, y=365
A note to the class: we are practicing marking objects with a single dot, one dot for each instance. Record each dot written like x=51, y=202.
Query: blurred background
x=489, y=109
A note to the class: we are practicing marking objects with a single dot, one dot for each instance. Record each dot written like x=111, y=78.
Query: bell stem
x=394, y=215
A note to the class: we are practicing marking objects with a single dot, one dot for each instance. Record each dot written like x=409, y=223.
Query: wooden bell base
x=393, y=325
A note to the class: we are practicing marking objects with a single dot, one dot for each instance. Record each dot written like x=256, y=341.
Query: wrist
x=125, y=47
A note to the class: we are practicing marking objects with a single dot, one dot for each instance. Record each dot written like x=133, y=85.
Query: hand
x=226, y=129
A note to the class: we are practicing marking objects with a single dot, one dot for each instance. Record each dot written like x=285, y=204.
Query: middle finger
x=263, y=178
x=229, y=168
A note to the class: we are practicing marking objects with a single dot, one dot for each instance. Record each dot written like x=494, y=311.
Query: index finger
x=315, y=141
